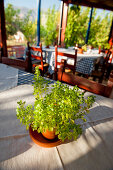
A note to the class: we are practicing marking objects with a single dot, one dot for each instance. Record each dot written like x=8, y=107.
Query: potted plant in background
x=84, y=47
x=55, y=109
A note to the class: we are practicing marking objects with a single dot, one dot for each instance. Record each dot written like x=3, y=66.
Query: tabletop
x=93, y=150
x=85, y=61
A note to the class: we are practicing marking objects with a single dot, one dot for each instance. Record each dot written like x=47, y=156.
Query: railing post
x=89, y=24
x=38, y=23
x=3, y=30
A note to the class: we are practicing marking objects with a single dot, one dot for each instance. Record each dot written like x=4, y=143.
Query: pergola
x=102, y=4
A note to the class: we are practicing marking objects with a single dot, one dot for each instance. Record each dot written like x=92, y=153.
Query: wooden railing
x=16, y=51
x=91, y=86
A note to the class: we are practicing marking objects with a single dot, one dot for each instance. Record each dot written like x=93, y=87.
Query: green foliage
x=12, y=20
x=25, y=114
x=77, y=25
x=76, y=29
x=58, y=108
x=14, y=23
x=28, y=27
x=42, y=33
x=100, y=28
x=51, y=26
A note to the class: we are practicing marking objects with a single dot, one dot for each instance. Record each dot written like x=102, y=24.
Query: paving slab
x=105, y=130
x=8, y=77
x=8, y=105
x=23, y=154
x=100, y=100
x=87, y=153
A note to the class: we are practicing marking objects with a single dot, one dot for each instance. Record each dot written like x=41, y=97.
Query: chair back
x=36, y=53
x=108, y=53
x=107, y=58
x=72, y=56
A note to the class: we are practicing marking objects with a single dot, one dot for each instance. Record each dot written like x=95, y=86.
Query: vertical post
x=2, y=30
x=38, y=23
x=110, y=84
x=55, y=75
x=75, y=61
x=60, y=26
x=64, y=22
x=89, y=24
x=29, y=69
x=110, y=40
x=0, y=40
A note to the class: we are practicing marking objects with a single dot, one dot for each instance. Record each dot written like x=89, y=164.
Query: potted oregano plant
x=56, y=109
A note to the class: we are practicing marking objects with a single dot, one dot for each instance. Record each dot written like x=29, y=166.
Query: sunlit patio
x=91, y=71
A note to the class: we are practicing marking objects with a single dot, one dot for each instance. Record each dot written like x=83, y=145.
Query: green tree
x=102, y=31
x=14, y=23
x=42, y=33
x=51, y=26
x=28, y=27
x=12, y=20
x=76, y=25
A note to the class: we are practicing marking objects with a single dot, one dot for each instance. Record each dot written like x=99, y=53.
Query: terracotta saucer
x=42, y=141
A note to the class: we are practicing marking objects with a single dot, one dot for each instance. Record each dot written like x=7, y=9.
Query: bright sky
x=33, y=3
x=44, y=4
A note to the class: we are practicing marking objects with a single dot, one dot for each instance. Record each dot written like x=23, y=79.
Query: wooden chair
x=101, y=68
x=108, y=64
x=68, y=67
x=36, y=53
x=102, y=50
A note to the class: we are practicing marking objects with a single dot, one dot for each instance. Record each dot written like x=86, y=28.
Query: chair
x=68, y=67
x=102, y=50
x=101, y=67
x=36, y=56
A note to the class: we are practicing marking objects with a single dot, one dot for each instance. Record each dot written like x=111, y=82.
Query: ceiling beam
x=108, y=5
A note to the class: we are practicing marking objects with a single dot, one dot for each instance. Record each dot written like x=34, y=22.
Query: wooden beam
x=110, y=40
x=96, y=4
x=60, y=26
x=64, y=22
x=3, y=29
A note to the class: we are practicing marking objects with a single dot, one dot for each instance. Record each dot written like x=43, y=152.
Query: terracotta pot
x=49, y=134
x=80, y=51
x=42, y=141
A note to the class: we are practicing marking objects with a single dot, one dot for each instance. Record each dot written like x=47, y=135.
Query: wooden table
x=84, y=61
x=93, y=150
